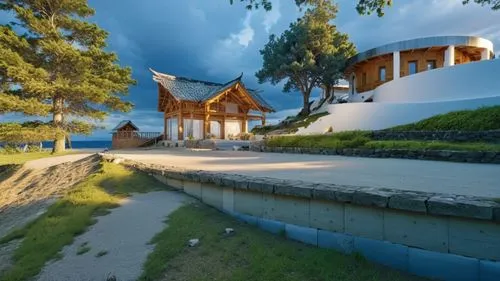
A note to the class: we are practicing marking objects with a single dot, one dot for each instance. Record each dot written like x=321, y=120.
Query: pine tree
x=311, y=53
x=53, y=63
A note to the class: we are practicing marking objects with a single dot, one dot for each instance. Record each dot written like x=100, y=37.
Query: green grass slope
x=482, y=119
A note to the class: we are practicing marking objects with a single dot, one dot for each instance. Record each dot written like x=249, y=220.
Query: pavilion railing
x=136, y=135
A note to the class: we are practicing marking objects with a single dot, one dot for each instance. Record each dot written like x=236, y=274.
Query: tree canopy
x=311, y=53
x=364, y=7
x=53, y=64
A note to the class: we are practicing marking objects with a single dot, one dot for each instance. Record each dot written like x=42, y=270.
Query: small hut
x=127, y=135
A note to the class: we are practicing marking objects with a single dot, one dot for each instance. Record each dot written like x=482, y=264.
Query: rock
x=193, y=242
x=117, y=160
x=229, y=230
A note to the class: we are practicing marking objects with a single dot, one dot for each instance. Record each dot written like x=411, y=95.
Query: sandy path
x=52, y=161
x=124, y=233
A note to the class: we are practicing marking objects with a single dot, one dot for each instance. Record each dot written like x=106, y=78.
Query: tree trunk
x=305, y=109
x=328, y=92
x=331, y=94
x=60, y=140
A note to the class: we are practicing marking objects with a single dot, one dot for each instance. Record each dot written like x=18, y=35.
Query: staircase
x=152, y=141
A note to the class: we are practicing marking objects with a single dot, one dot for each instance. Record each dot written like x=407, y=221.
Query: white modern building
x=411, y=80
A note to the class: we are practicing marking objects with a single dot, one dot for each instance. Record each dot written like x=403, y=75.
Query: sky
x=215, y=41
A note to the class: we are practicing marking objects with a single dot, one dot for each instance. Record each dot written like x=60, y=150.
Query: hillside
x=482, y=119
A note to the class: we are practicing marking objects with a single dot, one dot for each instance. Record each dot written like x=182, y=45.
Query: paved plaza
x=429, y=176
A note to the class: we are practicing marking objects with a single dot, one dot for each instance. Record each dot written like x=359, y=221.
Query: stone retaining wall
x=202, y=144
x=492, y=136
x=433, y=235
x=441, y=155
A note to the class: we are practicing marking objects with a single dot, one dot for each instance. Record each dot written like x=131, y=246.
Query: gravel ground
x=124, y=234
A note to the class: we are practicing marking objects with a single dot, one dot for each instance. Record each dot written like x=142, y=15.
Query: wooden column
x=165, y=128
x=180, y=124
x=207, y=129
x=206, y=121
x=244, y=124
x=263, y=119
x=223, y=126
x=223, y=129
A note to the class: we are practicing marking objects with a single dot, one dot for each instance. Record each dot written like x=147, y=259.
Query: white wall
x=215, y=129
x=472, y=80
x=172, y=129
x=232, y=127
x=194, y=128
x=376, y=116
x=416, y=97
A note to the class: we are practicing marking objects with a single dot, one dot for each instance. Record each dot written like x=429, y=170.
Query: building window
x=363, y=81
x=381, y=73
x=431, y=64
x=412, y=67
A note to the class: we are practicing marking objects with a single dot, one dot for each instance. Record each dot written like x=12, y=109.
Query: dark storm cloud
x=212, y=40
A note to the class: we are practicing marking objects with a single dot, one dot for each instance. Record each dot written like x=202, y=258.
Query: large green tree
x=364, y=7
x=53, y=63
x=311, y=53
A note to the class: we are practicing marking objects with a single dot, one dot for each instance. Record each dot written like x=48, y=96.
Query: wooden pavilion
x=197, y=109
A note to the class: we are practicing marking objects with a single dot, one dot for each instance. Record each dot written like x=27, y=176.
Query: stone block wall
x=459, y=235
x=440, y=155
x=202, y=144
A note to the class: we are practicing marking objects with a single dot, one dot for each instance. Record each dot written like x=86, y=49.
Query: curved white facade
x=378, y=116
x=465, y=81
x=416, y=97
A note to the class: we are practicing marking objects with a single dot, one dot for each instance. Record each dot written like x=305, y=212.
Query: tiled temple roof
x=187, y=89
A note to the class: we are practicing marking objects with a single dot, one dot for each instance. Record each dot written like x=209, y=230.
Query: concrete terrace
x=428, y=176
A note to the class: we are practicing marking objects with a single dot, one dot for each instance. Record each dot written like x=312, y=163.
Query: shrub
x=246, y=136
x=10, y=149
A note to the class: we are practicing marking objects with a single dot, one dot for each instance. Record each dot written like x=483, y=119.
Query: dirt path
x=44, y=163
x=31, y=189
x=123, y=235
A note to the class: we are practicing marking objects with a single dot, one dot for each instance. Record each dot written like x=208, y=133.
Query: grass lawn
x=249, y=254
x=70, y=216
x=20, y=158
x=482, y=119
x=360, y=139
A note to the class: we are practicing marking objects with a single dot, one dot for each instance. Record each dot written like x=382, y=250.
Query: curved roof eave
x=420, y=43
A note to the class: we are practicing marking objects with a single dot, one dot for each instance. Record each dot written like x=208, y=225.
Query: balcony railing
x=136, y=135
